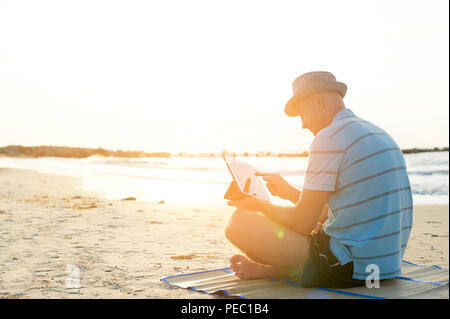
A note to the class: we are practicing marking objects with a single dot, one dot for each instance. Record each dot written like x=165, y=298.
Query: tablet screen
x=244, y=176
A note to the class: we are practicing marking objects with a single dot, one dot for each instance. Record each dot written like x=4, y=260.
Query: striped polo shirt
x=371, y=206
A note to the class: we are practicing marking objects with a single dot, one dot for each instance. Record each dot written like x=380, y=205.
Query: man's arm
x=304, y=216
x=293, y=195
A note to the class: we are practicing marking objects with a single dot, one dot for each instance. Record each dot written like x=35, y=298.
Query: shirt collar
x=341, y=114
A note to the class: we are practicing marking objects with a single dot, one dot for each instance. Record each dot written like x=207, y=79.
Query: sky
x=204, y=76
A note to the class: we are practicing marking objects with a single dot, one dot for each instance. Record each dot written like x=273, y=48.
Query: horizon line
x=83, y=152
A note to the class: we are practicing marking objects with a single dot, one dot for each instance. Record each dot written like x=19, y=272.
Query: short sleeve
x=325, y=158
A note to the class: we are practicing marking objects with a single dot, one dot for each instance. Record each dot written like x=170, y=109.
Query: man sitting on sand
x=356, y=184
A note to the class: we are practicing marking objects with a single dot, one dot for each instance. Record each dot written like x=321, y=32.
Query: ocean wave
x=420, y=189
x=429, y=172
x=425, y=192
x=139, y=163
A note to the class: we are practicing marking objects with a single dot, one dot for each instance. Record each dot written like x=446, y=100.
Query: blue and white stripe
x=371, y=206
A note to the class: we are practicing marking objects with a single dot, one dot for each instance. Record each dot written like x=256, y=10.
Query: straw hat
x=311, y=83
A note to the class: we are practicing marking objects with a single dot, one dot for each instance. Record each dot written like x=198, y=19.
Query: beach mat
x=416, y=281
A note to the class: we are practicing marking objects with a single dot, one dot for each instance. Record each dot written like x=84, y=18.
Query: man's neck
x=333, y=112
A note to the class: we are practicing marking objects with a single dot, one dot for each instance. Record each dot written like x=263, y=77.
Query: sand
x=58, y=241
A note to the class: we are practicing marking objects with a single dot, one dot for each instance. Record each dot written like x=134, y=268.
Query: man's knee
x=239, y=221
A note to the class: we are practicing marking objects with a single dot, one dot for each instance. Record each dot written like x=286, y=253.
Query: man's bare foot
x=245, y=268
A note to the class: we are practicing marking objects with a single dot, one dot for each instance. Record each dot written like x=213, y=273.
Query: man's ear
x=319, y=100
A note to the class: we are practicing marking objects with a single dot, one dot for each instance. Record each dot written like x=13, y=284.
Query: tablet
x=244, y=176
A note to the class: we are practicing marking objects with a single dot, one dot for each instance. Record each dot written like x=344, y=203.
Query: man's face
x=311, y=114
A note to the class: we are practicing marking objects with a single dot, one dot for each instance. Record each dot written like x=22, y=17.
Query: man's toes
x=235, y=267
x=237, y=258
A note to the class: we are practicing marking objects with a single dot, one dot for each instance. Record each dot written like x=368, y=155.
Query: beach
x=59, y=241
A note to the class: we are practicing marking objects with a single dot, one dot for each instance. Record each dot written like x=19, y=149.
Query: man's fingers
x=257, y=173
x=238, y=202
x=272, y=178
x=268, y=178
x=272, y=189
x=231, y=203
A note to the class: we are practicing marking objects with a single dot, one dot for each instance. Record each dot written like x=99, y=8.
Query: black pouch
x=321, y=247
x=324, y=270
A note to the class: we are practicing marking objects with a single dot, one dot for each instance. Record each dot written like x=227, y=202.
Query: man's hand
x=249, y=203
x=278, y=186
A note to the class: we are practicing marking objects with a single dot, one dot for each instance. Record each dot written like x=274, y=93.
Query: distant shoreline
x=81, y=152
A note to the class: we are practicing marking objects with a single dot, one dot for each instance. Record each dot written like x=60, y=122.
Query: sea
x=204, y=180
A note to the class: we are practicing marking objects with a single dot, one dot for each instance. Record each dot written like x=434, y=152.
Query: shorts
x=322, y=269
